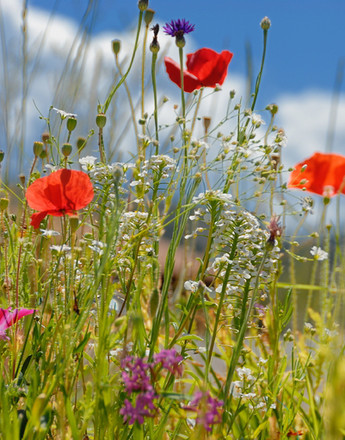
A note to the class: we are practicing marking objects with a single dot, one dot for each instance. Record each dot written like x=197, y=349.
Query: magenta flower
x=136, y=377
x=8, y=318
x=170, y=360
x=209, y=409
x=144, y=408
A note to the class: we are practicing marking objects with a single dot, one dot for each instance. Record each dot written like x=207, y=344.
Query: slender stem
x=115, y=88
x=196, y=111
x=154, y=86
x=143, y=79
x=258, y=79
x=183, y=103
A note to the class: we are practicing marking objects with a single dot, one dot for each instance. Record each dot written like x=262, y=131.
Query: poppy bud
x=2, y=155
x=3, y=204
x=101, y=120
x=66, y=149
x=81, y=142
x=232, y=94
x=71, y=124
x=45, y=137
x=148, y=16
x=38, y=148
x=143, y=4
x=265, y=23
x=116, y=46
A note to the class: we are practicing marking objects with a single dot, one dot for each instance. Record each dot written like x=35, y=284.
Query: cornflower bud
x=101, y=120
x=143, y=4
x=38, y=148
x=265, y=23
x=66, y=149
x=71, y=124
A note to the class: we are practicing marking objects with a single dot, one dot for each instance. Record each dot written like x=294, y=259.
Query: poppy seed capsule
x=116, y=46
x=143, y=4
x=2, y=155
x=71, y=124
x=101, y=120
x=3, y=204
x=148, y=16
x=38, y=148
x=66, y=149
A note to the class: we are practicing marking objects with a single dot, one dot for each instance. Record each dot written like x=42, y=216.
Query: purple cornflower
x=144, y=408
x=136, y=379
x=170, y=360
x=209, y=409
x=178, y=27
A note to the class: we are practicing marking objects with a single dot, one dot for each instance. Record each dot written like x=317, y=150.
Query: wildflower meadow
x=177, y=292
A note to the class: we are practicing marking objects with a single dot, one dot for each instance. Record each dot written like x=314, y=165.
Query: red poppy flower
x=62, y=192
x=205, y=68
x=321, y=174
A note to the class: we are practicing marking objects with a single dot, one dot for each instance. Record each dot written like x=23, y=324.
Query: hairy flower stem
x=116, y=87
x=101, y=145
x=154, y=87
x=258, y=79
x=143, y=79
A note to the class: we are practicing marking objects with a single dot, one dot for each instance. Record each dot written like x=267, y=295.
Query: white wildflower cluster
x=101, y=173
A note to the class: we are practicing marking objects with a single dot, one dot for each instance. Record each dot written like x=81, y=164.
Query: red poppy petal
x=208, y=66
x=37, y=217
x=63, y=190
x=190, y=82
x=324, y=174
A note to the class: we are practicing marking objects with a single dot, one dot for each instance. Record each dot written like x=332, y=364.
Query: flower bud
x=43, y=154
x=265, y=23
x=101, y=120
x=273, y=108
x=3, y=204
x=154, y=46
x=38, y=148
x=232, y=94
x=22, y=179
x=45, y=137
x=71, y=124
x=148, y=16
x=66, y=149
x=143, y=4
x=180, y=41
x=81, y=142
x=116, y=46
x=2, y=155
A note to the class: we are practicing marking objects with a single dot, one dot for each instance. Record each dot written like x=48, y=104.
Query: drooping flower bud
x=66, y=149
x=116, y=46
x=71, y=124
x=38, y=148
x=81, y=142
x=101, y=120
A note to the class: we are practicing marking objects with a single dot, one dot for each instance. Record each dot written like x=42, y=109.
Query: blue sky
x=306, y=40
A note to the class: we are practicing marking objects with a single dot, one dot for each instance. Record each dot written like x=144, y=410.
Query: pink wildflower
x=8, y=318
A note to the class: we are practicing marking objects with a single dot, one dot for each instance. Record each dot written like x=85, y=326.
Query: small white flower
x=48, y=233
x=318, y=253
x=60, y=249
x=191, y=286
x=88, y=162
x=64, y=114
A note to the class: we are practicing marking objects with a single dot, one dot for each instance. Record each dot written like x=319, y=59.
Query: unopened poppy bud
x=116, y=46
x=38, y=148
x=71, y=124
x=2, y=155
x=3, y=204
x=143, y=4
x=66, y=149
x=101, y=120
x=74, y=223
x=265, y=23
x=148, y=16
x=232, y=94
x=45, y=137
x=81, y=142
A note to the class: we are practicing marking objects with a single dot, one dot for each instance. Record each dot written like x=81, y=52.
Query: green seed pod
x=71, y=124
x=66, y=149
x=3, y=204
x=81, y=142
x=143, y=4
x=116, y=46
x=2, y=155
x=148, y=16
x=43, y=154
x=101, y=120
x=74, y=223
x=38, y=148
